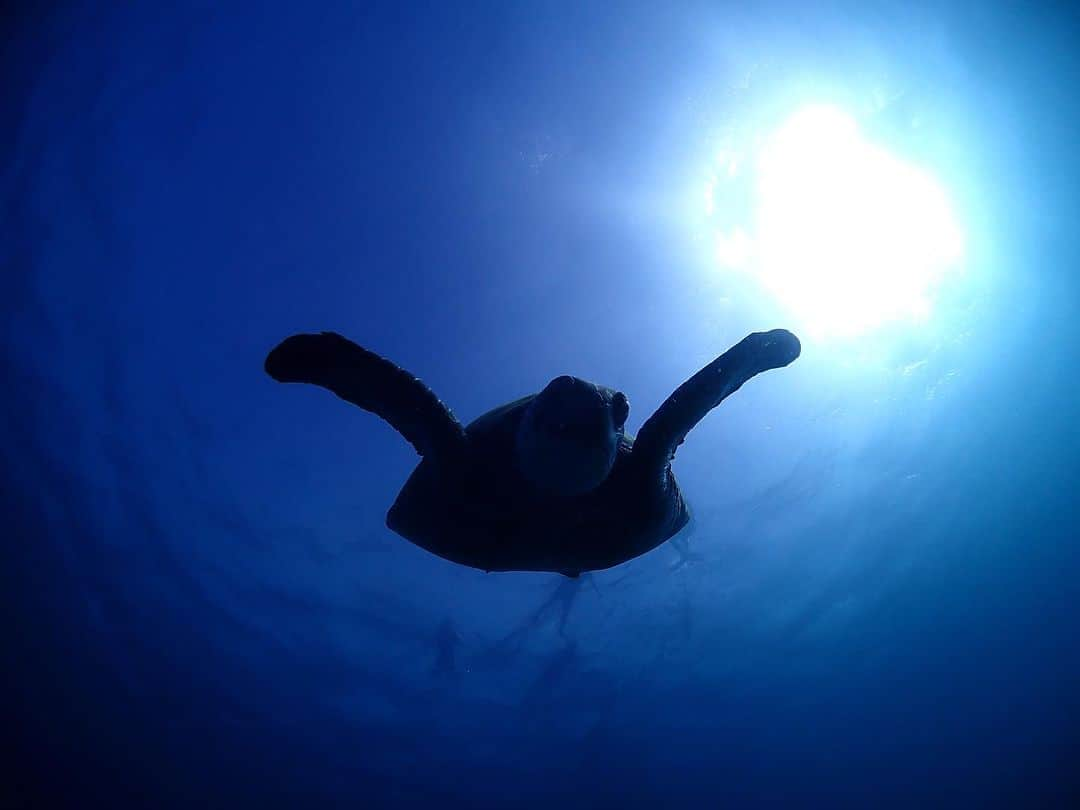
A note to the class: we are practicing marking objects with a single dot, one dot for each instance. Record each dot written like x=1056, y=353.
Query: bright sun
x=846, y=235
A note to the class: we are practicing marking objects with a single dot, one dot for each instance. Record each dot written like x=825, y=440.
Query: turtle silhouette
x=549, y=482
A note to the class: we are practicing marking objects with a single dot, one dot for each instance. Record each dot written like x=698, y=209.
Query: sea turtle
x=550, y=482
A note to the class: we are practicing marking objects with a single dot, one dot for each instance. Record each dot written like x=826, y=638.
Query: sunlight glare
x=846, y=235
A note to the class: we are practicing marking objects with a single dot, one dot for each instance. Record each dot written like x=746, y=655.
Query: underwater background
x=876, y=603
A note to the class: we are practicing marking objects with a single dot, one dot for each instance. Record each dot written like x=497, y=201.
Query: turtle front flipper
x=666, y=429
x=373, y=383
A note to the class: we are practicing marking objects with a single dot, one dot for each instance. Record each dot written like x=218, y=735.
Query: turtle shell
x=481, y=511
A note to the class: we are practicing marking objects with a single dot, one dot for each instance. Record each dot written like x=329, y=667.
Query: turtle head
x=569, y=435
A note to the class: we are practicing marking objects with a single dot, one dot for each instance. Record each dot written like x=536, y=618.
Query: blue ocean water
x=875, y=604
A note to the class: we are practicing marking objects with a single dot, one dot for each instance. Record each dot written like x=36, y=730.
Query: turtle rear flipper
x=370, y=382
x=666, y=429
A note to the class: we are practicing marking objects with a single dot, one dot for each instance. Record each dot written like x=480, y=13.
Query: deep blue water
x=202, y=606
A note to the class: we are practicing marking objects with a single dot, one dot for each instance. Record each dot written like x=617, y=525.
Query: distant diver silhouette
x=550, y=482
x=561, y=600
x=555, y=607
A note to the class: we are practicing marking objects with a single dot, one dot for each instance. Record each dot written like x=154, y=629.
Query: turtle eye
x=620, y=409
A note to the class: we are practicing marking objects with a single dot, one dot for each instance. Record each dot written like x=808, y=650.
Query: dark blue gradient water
x=202, y=607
